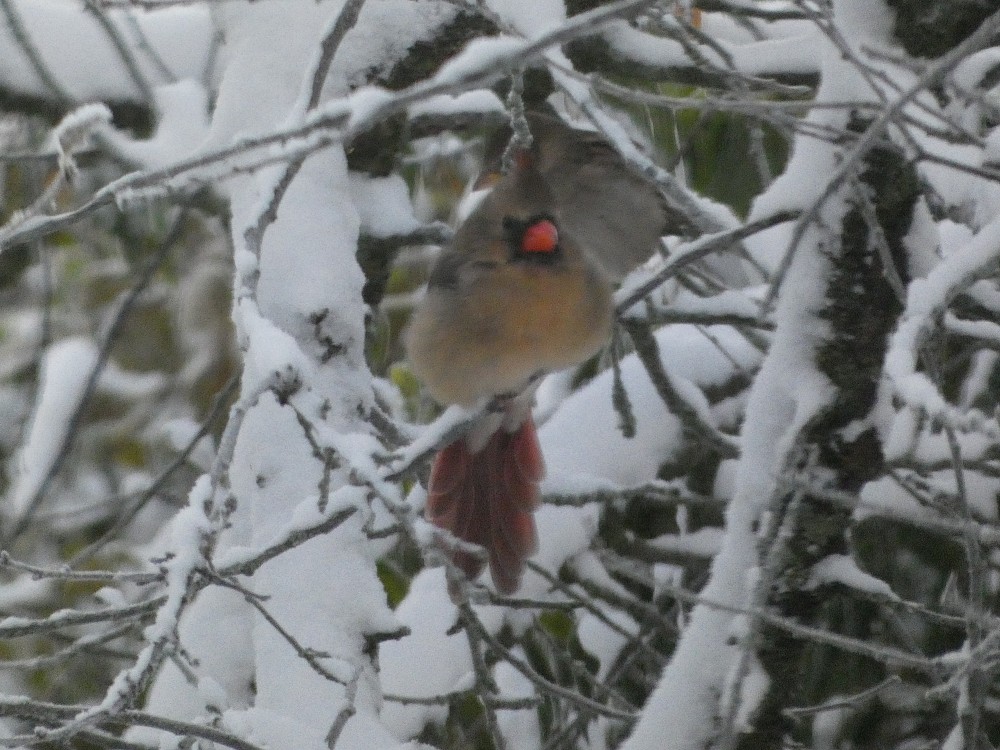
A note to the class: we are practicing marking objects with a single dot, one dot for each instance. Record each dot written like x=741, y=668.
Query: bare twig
x=219, y=405
x=30, y=51
x=696, y=250
x=875, y=131
x=852, y=701
x=649, y=353
x=125, y=53
x=325, y=127
x=54, y=712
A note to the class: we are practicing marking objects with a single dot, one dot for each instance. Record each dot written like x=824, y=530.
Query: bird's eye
x=540, y=237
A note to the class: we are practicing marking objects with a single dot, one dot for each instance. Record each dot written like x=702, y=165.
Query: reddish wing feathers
x=487, y=498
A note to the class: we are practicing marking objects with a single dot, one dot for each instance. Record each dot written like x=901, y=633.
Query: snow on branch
x=337, y=122
x=926, y=302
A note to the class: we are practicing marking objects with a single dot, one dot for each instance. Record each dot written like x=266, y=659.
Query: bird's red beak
x=540, y=237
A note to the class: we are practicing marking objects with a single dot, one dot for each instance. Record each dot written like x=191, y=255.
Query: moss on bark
x=861, y=308
x=929, y=28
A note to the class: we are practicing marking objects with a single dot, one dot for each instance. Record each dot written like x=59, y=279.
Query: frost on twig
x=72, y=133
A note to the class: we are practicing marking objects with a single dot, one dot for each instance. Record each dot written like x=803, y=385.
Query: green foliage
x=713, y=151
x=394, y=582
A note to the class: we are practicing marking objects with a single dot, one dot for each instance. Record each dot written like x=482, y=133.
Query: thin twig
x=122, y=520
x=852, y=701
x=38, y=65
x=873, y=133
x=125, y=53
x=325, y=127
x=540, y=682
x=649, y=354
x=696, y=250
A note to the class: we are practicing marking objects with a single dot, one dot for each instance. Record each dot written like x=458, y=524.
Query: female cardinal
x=512, y=297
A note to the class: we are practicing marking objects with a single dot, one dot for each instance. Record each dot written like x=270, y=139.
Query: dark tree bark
x=862, y=308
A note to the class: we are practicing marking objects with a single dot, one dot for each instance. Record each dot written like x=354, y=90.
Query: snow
x=705, y=542
x=769, y=246
x=953, y=236
x=22, y=593
x=678, y=712
x=531, y=18
x=603, y=641
x=319, y=235
x=986, y=330
x=214, y=632
x=358, y=451
x=383, y=205
x=384, y=33
x=479, y=56
x=729, y=302
x=434, y=434
x=793, y=54
x=110, y=597
x=273, y=358
x=582, y=439
x=887, y=495
x=978, y=382
x=276, y=487
x=262, y=79
x=902, y=435
x=366, y=104
x=754, y=688
x=788, y=391
x=725, y=27
x=844, y=570
x=188, y=531
x=519, y=728
x=426, y=663
x=828, y=726
x=306, y=515
x=288, y=324
x=65, y=370
x=478, y=101
x=83, y=60
x=180, y=432
x=133, y=385
x=562, y=534
x=181, y=127
x=75, y=128
x=305, y=451
x=925, y=298
x=305, y=391
x=648, y=49
x=969, y=195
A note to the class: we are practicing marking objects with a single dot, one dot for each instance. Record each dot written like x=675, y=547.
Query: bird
x=512, y=297
x=619, y=213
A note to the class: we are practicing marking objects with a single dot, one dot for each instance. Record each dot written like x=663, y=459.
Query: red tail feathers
x=487, y=498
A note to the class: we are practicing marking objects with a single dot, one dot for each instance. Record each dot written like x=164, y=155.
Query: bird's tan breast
x=554, y=318
x=492, y=335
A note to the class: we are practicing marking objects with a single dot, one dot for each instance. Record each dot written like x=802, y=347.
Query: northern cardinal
x=619, y=214
x=514, y=296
